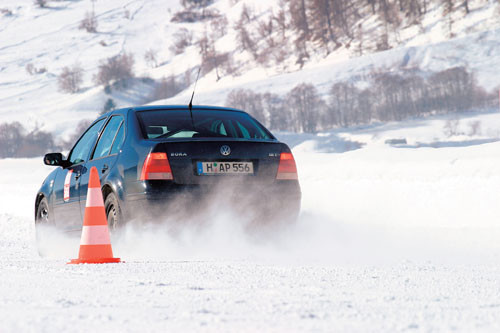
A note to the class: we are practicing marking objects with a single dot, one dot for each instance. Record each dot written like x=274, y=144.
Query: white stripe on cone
x=95, y=235
x=94, y=197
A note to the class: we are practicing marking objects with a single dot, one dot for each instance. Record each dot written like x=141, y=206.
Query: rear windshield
x=157, y=124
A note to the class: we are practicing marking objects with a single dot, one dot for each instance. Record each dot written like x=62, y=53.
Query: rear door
x=67, y=182
x=104, y=155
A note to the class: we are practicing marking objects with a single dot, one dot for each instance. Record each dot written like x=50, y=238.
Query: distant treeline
x=16, y=141
x=386, y=97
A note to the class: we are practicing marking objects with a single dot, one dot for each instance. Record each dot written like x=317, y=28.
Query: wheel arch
x=106, y=190
x=38, y=199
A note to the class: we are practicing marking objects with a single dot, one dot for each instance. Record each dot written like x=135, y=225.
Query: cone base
x=95, y=261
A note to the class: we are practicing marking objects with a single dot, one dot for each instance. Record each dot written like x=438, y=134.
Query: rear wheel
x=113, y=212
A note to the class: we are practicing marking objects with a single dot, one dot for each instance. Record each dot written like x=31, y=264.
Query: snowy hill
x=48, y=39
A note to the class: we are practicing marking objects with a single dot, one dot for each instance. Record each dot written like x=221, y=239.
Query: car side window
x=108, y=136
x=117, y=144
x=81, y=150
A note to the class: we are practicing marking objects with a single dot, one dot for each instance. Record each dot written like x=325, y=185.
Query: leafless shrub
x=474, y=127
x=115, y=69
x=219, y=26
x=450, y=127
x=89, y=22
x=108, y=106
x=168, y=87
x=41, y=3
x=126, y=14
x=6, y=11
x=191, y=15
x=32, y=70
x=182, y=39
x=70, y=79
x=16, y=141
x=196, y=3
x=151, y=58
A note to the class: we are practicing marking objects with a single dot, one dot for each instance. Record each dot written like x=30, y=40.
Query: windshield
x=157, y=124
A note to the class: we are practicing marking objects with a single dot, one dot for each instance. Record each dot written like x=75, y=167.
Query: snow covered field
x=389, y=239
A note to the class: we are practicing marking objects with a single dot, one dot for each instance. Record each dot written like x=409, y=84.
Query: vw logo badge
x=225, y=150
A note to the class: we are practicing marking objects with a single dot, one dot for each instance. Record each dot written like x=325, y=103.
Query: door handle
x=104, y=168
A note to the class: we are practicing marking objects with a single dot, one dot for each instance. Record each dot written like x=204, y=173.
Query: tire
x=113, y=212
x=42, y=212
x=43, y=227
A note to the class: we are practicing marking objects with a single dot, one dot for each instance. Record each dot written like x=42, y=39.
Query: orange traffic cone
x=95, y=244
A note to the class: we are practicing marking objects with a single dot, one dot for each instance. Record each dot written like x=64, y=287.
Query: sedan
x=162, y=161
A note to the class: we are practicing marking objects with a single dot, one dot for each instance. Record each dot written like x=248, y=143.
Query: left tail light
x=156, y=167
x=287, y=168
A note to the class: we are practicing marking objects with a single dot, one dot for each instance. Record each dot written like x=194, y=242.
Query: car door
x=104, y=155
x=67, y=182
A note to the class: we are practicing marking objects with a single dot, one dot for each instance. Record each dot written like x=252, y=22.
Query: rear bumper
x=279, y=200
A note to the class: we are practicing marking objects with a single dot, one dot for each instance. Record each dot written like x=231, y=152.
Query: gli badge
x=225, y=150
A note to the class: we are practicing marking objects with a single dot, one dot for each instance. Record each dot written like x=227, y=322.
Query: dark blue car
x=157, y=161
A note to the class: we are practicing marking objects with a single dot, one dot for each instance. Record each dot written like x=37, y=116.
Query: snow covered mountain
x=38, y=42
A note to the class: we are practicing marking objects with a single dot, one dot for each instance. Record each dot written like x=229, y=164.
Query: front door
x=67, y=184
x=67, y=198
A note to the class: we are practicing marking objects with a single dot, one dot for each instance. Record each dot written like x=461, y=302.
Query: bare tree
x=182, y=39
x=16, y=141
x=151, y=58
x=40, y=3
x=196, y=3
x=70, y=79
x=248, y=101
x=300, y=24
x=245, y=41
x=89, y=22
x=448, y=6
x=114, y=69
x=451, y=126
x=474, y=127
x=344, y=105
x=168, y=87
x=218, y=26
x=306, y=108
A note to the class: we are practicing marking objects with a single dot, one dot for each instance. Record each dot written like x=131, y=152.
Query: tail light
x=287, y=168
x=156, y=167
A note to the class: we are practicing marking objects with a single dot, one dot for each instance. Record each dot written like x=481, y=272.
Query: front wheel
x=43, y=227
x=113, y=212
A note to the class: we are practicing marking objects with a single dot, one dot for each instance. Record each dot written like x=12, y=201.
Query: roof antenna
x=192, y=96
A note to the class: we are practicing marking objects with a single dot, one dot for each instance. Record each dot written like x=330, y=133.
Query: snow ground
x=389, y=239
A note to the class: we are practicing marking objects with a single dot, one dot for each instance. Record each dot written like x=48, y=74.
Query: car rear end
x=216, y=159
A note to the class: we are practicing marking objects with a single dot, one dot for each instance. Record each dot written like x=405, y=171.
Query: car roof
x=134, y=109
x=181, y=107
x=124, y=111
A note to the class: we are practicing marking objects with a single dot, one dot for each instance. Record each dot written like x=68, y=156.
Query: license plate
x=224, y=168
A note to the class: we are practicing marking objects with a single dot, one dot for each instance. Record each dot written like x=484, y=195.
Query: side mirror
x=55, y=159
